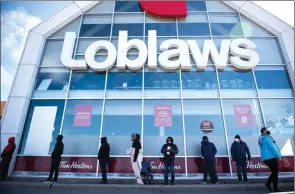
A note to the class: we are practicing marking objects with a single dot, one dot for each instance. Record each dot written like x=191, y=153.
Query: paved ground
x=39, y=188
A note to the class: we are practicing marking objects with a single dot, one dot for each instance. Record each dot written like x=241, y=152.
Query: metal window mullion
x=142, y=93
x=65, y=105
x=76, y=45
x=182, y=110
x=224, y=125
x=208, y=20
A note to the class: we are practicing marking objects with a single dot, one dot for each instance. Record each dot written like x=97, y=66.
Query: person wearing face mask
x=239, y=150
x=208, y=151
x=270, y=153
x=169, y=150
x=136, y=156
x=104, y=157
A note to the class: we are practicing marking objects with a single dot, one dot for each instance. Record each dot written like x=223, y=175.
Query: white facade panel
x=235, y=4
x=33, y=49
x=86, y=5
x=263, y=18
x=58, y=20
x=287, y=44
x=14, y=115
x=24, y=81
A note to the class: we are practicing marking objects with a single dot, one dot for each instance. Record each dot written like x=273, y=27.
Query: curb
x=157, y=188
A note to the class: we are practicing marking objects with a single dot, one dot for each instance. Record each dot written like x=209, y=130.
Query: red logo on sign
x=169, y=9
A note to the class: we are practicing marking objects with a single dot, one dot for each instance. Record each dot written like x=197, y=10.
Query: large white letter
x=123, y=47
x=201, y=59
x=92, y=50
x=152, y=49
x=247, y=52
x=67, y=53
x=180, y=51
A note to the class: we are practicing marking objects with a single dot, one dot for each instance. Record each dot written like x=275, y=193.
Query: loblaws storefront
x=111, y=69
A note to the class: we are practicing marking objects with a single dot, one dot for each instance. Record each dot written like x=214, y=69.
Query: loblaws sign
x=242, y=50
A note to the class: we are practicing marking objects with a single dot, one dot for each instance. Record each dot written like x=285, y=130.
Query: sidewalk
x=126, y=185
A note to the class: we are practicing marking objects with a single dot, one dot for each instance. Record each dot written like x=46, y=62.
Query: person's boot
x=267, y=185
x=276, y=189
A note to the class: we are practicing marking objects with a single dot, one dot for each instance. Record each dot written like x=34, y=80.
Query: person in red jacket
x=6, y=158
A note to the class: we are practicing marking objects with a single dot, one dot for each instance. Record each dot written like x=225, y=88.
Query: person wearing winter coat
x=55, y=159
x=239, y=153
x=169, y=150
x=270, y=153
x=104, y=157
x=208, y=151
x=136, y=157
x=6, y=157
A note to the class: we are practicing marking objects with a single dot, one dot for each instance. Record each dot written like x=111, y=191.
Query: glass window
x=124, y=84
x=218, y=6
x=203, y=117
x=130, y=51
x=84, y=43
x=195, y=24
x=160, y=40
x=273, y=81
x=237, y=83
x=268, y=50
x=94, y=25
x=87, y=84
x=121, y=119
x=81, y=127
x=102, y=7
x=243, y=117
x=196, y=84
x=132, y=23
x=196, y=6
x=252, y=29
x=71, y=27
x=279, y=118
x=52, y=52
x=158, y=127
x=160, y=83
x=127, y=6
x=51, y=82
x=225, y=24
x=41, y=128
x=163, y=29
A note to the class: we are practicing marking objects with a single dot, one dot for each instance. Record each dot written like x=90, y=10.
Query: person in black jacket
x=208, y=151
x=6, y=157
x=239, y=150
x=55, y=159
x=103, y=157
x=169, y=150
x=136, y=160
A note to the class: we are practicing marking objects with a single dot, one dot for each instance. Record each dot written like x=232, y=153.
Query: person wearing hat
x=208, y=151
x=6, y=157
x=239, y=153
x=55, y=159
x=104, y=157
x=270, y=153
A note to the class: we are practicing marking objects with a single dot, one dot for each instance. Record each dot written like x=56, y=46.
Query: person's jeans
x=5, y=162
x=241, y=168
x=103, y=166
x=273, y=165
x=54, y=169
x=169, y=164
x=210, y=167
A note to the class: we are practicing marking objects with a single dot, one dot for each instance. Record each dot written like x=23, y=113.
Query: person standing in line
x=169, y=150
x=208, y=151
x=55, y=159
x=239, y=150
x=104, y=157
x=136, y=157
x=6, y=157
x=270, y=153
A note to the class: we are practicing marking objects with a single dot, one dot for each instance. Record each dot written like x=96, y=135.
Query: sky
x=18, y=17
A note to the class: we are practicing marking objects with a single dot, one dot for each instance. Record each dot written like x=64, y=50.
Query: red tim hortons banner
x=255, y=165
x=196, y=165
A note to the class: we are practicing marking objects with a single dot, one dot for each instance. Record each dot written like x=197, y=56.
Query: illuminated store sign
x=242, y=50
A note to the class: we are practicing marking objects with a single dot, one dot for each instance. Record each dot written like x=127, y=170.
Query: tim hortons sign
x=242, y=50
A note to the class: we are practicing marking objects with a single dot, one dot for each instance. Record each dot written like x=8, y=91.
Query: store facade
x=57, y=90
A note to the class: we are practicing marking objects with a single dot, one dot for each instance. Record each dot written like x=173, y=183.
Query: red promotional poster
x=207, y=127
x=243, y=115
x=163, y=116
x=82, y=116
